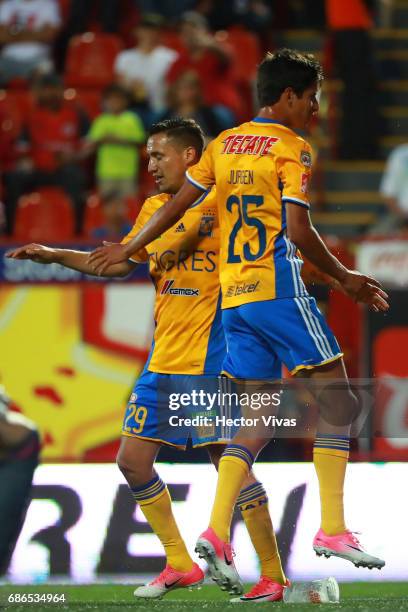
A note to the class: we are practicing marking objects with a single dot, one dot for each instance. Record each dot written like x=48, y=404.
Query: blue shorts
x=263, y=335
x=151, y=412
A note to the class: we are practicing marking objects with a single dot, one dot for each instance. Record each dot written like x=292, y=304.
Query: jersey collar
x=265, y=120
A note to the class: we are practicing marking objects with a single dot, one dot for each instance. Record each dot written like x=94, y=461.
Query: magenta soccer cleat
x=219, y=557
x=346, y=546
x=264, y=590
x=168, y=580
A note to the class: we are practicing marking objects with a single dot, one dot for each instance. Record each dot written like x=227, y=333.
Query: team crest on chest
x=206, y=225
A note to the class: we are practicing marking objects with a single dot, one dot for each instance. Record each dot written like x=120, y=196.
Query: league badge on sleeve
x=306, y=158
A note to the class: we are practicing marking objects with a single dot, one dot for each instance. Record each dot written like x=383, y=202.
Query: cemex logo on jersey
x=234, y=290
x=168, y=289
x=248, y=144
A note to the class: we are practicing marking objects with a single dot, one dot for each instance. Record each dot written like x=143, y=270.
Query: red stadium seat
x=45, y=215
x=170, y=38
x=90, y=59
x=247, y=51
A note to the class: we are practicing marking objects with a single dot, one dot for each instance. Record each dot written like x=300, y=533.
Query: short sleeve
x=142, y=255
x=294, y=166
x=202, y=175
x=394, y=173
x=135, y=129
x=121, y=63
x=52, y=15
x=97, y=129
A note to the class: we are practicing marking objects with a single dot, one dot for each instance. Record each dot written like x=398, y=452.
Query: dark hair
x=49, y=79
x=286, y=68
x=186, y=131
x=116, y=90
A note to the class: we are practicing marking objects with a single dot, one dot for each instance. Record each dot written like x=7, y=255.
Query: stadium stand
x=45, y=215
x=90, y=59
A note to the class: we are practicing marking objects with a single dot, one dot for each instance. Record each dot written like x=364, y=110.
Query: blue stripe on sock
x=242, y=448
x=149, y=490
x=321, y=435
x=334, y=447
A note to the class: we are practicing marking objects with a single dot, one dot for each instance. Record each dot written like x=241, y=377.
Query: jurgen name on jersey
x=242, y=177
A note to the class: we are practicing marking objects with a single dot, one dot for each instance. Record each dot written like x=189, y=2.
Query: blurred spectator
x=116, y=224
x=49, y=147
x=394, y=189
x=28, y=29
x=209, y=59
x=141, y=70
x=169, y=9
x=19, y=452
x=81, y=10
x=186, y=100
x=115, y=136
x=350, y=22
x=385, y=10
x=305, y=14
x=221, y=14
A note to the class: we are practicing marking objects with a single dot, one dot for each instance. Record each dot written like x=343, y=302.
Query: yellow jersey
x=183, y=264
x=259, y=168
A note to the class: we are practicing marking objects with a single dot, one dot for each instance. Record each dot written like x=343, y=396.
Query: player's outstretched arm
x=358, y=286
x=76, y=260
x=162, y=220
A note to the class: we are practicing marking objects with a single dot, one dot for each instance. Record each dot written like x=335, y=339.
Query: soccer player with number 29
x=262, y=171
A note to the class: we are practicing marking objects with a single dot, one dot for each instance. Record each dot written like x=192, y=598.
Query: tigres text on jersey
x=183, y=264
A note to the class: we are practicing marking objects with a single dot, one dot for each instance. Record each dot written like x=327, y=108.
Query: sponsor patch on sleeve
x=306, y=158
x=304, y=184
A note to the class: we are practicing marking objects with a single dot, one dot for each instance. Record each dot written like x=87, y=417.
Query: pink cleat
x=168, y=580
x=346, y=546
x=265, y=590
x=219, y=557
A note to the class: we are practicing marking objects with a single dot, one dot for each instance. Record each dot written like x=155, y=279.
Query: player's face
x=167, y=163
x=304, y=108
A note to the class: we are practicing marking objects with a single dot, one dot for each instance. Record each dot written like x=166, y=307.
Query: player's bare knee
x=136, y=472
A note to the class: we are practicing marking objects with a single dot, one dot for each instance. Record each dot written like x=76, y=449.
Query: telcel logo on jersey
x=234, y=290
x=170, y=290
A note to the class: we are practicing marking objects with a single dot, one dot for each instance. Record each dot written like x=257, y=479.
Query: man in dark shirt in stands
x=48, y=149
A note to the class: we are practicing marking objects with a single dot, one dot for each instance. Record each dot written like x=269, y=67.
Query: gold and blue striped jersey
x=259, y=168
x=183, y=264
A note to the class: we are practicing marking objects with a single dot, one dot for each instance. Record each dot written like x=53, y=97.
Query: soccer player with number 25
x=262, y=171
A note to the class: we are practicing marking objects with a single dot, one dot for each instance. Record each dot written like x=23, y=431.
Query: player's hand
x=35, y=252
x=366, y=290
x=111, y=253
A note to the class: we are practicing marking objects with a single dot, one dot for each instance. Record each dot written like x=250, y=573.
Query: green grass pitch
x=354, y=597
